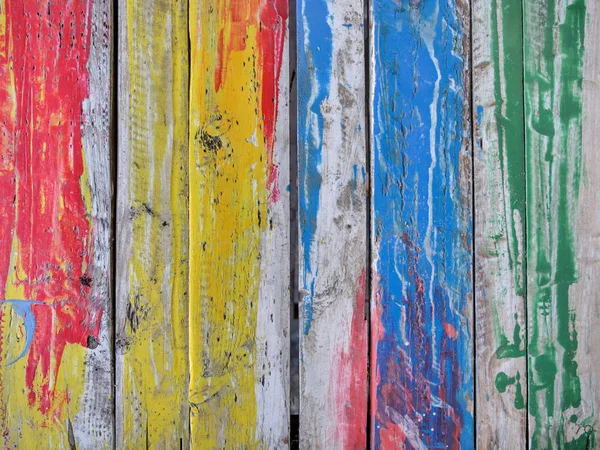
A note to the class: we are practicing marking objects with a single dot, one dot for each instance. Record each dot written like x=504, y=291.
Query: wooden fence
x=419, y=178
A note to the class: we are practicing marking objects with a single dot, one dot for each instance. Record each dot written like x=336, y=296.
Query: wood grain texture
x=332, y=178
x=422, y=325
x=499, y=171
x=55, y=309
x=562, y=230
x=239, y=224
x=152, y=226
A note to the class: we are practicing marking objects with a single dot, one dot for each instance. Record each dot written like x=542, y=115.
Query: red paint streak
x=377, y=333
x=272, y=16
x=41, y=170
x=450, y=331
x=350, y=391
x=7, y=187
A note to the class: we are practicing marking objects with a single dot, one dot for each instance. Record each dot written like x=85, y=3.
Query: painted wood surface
x=332, y=184
x=239, y=224
x=499, y=220
x=152, y=226
x=562, y=244
x=422, y=329
x=55, y=307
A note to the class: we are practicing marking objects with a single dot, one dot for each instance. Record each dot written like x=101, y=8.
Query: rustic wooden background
x=317, y=224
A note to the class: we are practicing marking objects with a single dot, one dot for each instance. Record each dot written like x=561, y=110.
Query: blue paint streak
x=23, y=309
x=315, y=53
x=430, y=380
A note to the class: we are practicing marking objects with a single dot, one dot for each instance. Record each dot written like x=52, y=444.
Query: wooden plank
x=55, y=314
x=499, y=171
x=561, y=54
x=239, y=224
x=332, y=179
x=152, y=226
x=586, y=302
x=422, y=350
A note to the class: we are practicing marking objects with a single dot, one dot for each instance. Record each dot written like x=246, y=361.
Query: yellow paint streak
x=155, y=365
x=228, y=212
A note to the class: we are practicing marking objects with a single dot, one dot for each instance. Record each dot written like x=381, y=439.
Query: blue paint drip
x=315, y=55
x=426, y=375
x=23, y=309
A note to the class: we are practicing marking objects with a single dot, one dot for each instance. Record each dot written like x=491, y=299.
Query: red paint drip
x=351, y=387
x=40, y=175
x=272, y=16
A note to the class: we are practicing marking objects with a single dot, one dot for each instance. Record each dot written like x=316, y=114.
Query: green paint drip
x=508, y=74
x=519, y=400
x=516, y=349
x=554, y=107
x=503, y=381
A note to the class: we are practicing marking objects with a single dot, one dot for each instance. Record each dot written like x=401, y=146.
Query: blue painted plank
x=422, y=348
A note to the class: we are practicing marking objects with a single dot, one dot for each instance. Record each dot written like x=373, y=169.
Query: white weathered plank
x=94, y=424
x=332, y=223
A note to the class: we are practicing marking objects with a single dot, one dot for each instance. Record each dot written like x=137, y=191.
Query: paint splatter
x=423, y=374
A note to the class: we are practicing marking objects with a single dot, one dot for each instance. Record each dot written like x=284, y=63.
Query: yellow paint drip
x=156, y=361
x=228, y=211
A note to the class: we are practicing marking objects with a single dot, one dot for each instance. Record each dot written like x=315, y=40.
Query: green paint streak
x=554, y=54
x=508, y=93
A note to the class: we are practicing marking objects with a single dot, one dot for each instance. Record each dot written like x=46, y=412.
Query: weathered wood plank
x=422, y=350
x=562, y=220
x=499, y=171
x=239, y=224
x=332, y=178
x=152, y=226
x=56, y=321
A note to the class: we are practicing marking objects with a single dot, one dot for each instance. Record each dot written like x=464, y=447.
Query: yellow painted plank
x=235, y=191
x=152, y=249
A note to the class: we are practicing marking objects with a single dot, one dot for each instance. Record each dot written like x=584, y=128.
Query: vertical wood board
x=561, y=242
x=152, y=226
x=239, y=224
x=499, y=171
x=55, y=308
x=422, y=325
x=332, y=178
